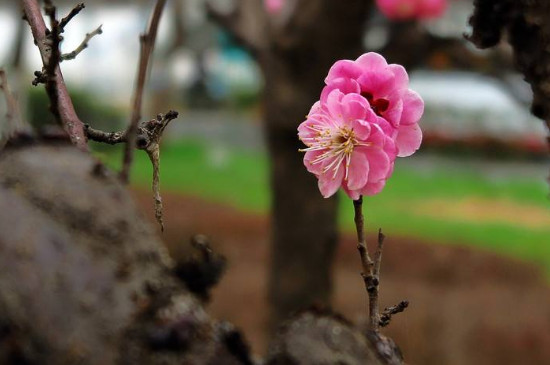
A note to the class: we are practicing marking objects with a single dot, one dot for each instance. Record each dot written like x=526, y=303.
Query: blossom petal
x=343, y=68
x=309, y=157
x=395, y=109
x=408, y=140
x=315, y=108
x=355, y=107
x=345, y=85
x=334, y=106
x=353, y=194
x=386, y=127
x=358, y=171
x=329, y=184
x=306, y=129
x=413, y=108
x=305, y=132
x=379, y=164
x=401, y=78
x=373, y=188
x=362, y=129
x=390, y=148
x=377, y=136
x=378, y=83
x=371, y=61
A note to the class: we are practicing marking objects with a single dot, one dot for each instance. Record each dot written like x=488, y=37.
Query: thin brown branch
x=82, y=46
x=54, y=40
x=366, y=261
x=378, y=253
x=368, y=266
x=74, y=11
x=57, y=90
x=149, y=135
x=147, y=41
x=104, y=137
x=373, y=281
x=148, y=132
x=385, y=317
x=155, y=129
x=154, y=156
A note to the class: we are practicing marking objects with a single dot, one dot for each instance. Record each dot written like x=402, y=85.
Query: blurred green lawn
x=510, y=217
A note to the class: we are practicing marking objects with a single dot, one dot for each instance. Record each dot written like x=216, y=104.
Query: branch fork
x=141, y=135
x=371, y=272
x=148, y=137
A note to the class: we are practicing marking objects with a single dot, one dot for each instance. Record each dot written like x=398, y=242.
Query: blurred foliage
x=244, y=98
x=91, y=110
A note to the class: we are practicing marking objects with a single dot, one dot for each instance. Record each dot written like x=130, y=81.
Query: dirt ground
x=466, y=306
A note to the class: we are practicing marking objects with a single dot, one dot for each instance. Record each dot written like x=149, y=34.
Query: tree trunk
x=304, y=232
x=304, y=226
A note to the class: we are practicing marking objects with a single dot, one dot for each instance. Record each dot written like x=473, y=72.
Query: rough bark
x=85, y=280
x=294, y=64
x=322, y=338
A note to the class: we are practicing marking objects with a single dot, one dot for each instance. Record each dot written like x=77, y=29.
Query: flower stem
x=370, y=269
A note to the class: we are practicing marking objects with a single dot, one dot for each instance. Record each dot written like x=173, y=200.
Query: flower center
x=378, y=106
x=337, y=146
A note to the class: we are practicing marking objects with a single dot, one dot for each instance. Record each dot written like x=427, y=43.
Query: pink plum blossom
x=386, y=88
x=274, y=6
x=347, y=146
x=412, y=9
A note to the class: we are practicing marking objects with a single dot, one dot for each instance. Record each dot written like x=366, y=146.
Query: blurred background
x=467, y=217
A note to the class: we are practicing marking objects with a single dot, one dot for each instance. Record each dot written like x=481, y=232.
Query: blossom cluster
x=412, y=9
x=274, y=7
x=365, y=118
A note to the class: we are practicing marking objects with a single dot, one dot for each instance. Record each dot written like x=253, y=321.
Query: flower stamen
x=337, y=146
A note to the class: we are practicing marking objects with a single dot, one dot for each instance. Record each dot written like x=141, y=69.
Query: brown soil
x=467, y=306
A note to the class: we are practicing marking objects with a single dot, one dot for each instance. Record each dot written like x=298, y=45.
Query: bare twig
x=378, y=256
x=371, y=282
x=385, y=317
x=104, y=137
x=154, y=156
x=49, y=74
x=370, y=269
x=149, y=135
x=371, y=272
x=148, y=132
x=74, y=11
x=359, y=224
x=147, y=41
x=82, y=46
x=56, y=88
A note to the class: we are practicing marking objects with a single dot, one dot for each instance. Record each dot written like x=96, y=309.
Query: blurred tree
x=295, y=48
x=295, y=43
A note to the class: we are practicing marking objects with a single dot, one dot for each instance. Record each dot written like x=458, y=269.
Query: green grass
x=240, y=178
